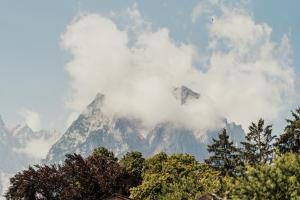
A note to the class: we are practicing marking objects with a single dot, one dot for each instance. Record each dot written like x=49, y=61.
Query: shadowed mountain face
x=120, y=134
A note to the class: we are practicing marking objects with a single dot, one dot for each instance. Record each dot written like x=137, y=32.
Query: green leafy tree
x=278, y=181
x=289, y=141
x=223, y=155
x=176, y=177
x=104, y=152
x=134, y=163
x=155, y=163
x=258, y=147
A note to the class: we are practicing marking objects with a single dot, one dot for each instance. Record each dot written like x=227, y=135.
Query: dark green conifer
x=257, y=146
x=289, y=141
x=224, y=157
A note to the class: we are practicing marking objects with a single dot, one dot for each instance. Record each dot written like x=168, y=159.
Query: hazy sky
x=34, y=82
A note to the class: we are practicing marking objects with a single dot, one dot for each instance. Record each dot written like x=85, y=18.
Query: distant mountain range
x=93, y=128
x=21, y=146
x=17, y=148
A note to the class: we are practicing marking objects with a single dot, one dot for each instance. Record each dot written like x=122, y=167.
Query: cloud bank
x=38, y=148
x=31, y=118
x=245, y=75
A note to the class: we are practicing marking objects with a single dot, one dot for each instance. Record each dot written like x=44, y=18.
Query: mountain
x=184, y=94
x=26, y=137
x=23, y=133
x=21, y=147
x=93, y=128
x=10, y=160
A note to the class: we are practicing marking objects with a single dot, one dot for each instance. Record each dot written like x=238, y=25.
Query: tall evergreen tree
x=289, y=141
x=258, y=145
x=224, y=157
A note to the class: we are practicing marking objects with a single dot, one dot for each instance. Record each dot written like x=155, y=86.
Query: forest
x=263, y=166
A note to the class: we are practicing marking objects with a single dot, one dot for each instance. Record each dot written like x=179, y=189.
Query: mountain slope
x=120, y=134
x=93, y=129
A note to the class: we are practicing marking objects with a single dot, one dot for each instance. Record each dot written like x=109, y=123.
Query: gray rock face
x=93, y=129
x=171, y=139
x=185, y=94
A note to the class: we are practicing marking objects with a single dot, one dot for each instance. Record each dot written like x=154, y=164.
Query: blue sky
x=32, y=73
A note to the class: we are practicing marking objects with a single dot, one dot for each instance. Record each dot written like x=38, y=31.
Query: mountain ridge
x=93, y=128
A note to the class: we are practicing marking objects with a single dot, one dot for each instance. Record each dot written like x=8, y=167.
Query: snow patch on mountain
x=95, y=128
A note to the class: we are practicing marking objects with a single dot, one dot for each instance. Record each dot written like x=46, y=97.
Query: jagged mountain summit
x=184, y=94
x=25, y=135
x=93, y=128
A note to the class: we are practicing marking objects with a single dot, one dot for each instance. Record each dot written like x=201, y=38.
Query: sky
x=49, y=69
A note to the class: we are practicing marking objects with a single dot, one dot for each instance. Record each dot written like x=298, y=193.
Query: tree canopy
x=279, y=181
x=177, y=176
x=93, y=178
x=223, y=154
x=258, y=145
x=289, y=141
x=254, y=171
x=101, y=151
x=133, y=163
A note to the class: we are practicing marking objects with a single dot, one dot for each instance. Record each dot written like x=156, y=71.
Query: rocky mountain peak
x=184, y=94
x=94, y=128
x=97, y=102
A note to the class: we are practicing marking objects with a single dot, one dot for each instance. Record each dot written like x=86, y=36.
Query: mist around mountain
x=120, y=134
x=21, y=147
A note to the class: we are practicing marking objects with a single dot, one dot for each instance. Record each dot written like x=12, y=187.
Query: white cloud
x=202, y=8
x=31, y=118
x=245, y=78
x=211, y=8
x=246, y=73
x=35, y=144
x=38, y=148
